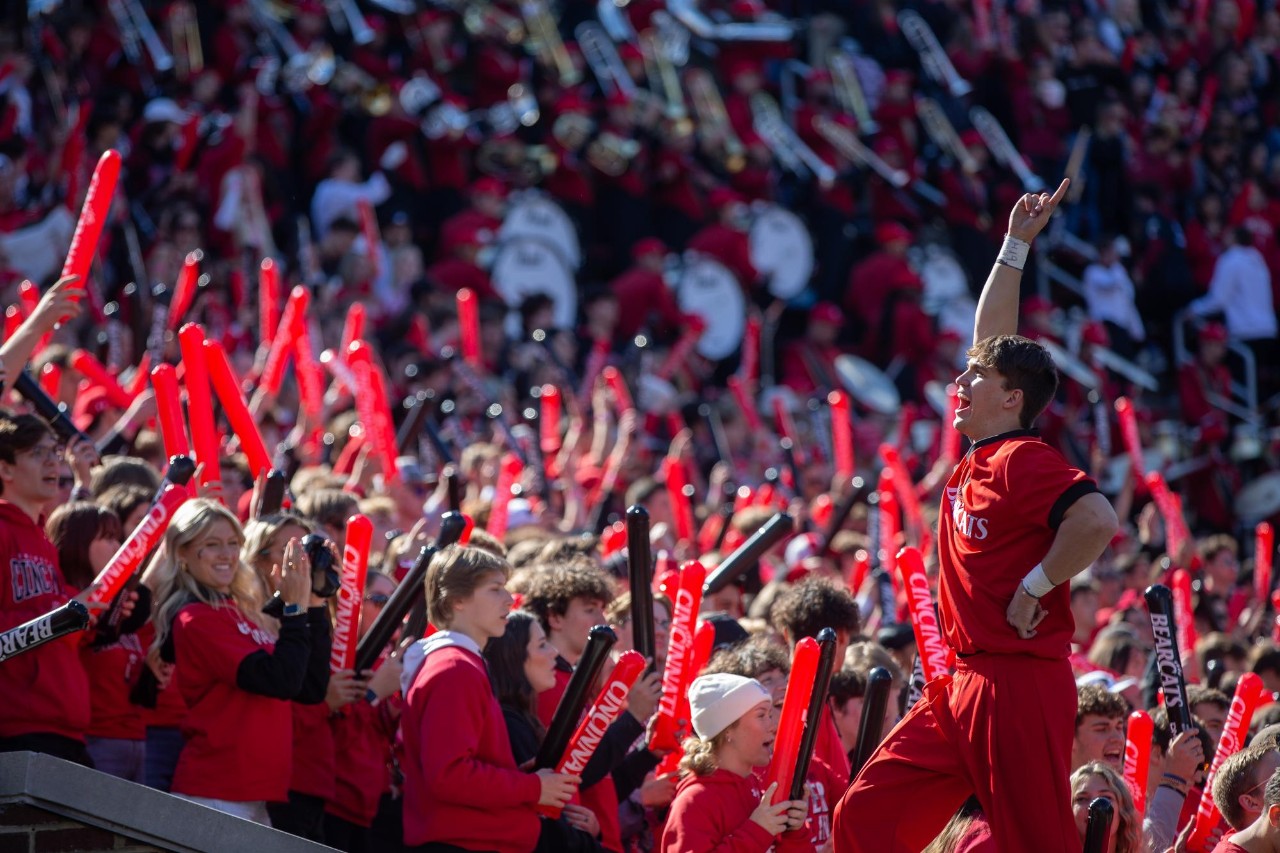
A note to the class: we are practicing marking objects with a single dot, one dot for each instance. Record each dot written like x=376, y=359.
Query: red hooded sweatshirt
x=46, y=689
x=712, y=814
x=461, y=785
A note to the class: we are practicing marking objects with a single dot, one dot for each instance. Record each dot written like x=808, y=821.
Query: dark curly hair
x=552, y=588
x=751, y=659
x=811, y=605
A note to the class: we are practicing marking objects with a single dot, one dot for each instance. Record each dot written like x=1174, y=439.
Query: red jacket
x=461, y=785
x=712, y=814
x=731, y=248
x=239, y=744
x=47, y=689
x=642, y=294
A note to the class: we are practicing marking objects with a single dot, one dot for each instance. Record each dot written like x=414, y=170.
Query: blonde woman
x=719, y=804
x=235, y=672
x=1094, y=780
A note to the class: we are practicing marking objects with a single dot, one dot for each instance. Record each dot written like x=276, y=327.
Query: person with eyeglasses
x=1238, y=784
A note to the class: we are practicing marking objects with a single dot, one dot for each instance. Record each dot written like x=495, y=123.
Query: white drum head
x=782, y=249
x=533, y=214
x=708, y=289
x=525, y=266
x=1260, y=499
x=868, y=384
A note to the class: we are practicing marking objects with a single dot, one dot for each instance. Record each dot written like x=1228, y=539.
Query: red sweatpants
x=1000, y=729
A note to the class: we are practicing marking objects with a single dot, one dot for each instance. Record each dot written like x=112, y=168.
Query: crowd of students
x=213, y=678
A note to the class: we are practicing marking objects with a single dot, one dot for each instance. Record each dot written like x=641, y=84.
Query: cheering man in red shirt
x=1017, y=523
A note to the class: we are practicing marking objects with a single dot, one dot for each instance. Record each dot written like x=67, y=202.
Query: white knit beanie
x=719, y=700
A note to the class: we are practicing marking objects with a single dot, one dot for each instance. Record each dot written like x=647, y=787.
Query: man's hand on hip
x=1025, y=613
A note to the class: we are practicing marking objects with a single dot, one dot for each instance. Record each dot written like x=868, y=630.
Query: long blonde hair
x=1128, y=826
x=174, y=587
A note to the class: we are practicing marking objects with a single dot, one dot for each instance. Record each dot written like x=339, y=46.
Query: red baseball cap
x=892, y=232
x=648, y=246
x=90, y=403
x=489, y=186
x=1036, y=305
x=722, y=197
x=1095, y=333
x=1214, y=332
x=826, y=312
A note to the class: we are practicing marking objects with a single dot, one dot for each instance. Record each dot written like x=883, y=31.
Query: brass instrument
x=1003, y=150
x=848, y=91
x=546, y=42
x=933, y=57
x=348, y=16
x=184, y=36
x=943, y=133
x=609, y=13
x=664, y=80
x=572, y=130
x=512, y=161
x=373, y=95
x=612, y=154
x=850, y=146
x=673, y=38
x=773, y=29
x=136, y=29
x=480, y=19
x=785, y=142
x=713, y=120
x=417, y=94
x=607, y=66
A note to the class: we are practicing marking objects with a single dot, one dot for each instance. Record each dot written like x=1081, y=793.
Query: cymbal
x=1260, y=499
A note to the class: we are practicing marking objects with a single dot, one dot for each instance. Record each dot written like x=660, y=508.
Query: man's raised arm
x=998, y=304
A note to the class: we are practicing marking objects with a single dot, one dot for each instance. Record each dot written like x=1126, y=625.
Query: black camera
x=325, y=579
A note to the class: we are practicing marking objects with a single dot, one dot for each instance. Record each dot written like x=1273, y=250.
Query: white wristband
x=1037, y=583
x=1014, y=252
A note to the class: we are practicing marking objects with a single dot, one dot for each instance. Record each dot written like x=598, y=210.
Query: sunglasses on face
x=377, y=599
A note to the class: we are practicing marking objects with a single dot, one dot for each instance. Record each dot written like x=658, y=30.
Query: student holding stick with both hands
x=1017, y=523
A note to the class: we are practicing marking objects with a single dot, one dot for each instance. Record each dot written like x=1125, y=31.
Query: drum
x=781, y=250
x=1117, y=469
x=1259, y=500
x=868, y=384
x=524, y=266
x=1170, y=439
x=531, y=213
x=708, y=289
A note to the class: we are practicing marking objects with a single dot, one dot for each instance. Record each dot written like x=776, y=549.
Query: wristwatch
x=293, y=610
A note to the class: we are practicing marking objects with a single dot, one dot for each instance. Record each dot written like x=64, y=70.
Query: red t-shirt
x=113, y=671
x=313, y=751
x=239, y=744
x=1000, y=512
x=362, y=734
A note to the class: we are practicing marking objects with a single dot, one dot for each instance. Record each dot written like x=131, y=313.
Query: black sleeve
x=1067, y=499
x=613, y=747
x=629, y=775
x=315, y=684
x=141, y=611
x=279, y=673
x=557, y=835
x=524, y=740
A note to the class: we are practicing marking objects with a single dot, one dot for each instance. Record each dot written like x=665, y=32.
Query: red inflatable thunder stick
x=804, y=669
x=1249, y=696
x=549, y=406
x=905, y=490
x=1180, y=584
x=51, y=379
x=890, y=525
x=169, y=410
x=346, y=619
x=96, y=374
x=1264, y=549
x=746, y=404
x=509, y=472
x=1176, y=533
x=930, y=646
x=618, y=386
x=704, y=641
x=681, y=509
x=184, y=291
x=1137, y=758
x=227, y=387
x=112, y=578
x=295, y=314
x=469, y=327
x=268, y=301
x=609, y=705
x=93, y=216
x=668, y=728
x=1128, y=419
x=353, y=326
x=371, y=406
x=204, y=437
x=841, y=433
x=813, y=713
